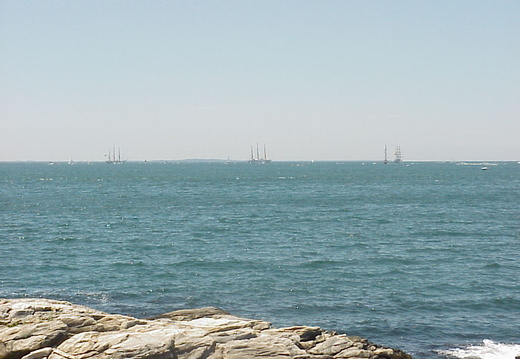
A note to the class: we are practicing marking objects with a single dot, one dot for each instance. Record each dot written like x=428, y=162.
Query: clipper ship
x=398, y=155
x=112, y=159
x=256, y=158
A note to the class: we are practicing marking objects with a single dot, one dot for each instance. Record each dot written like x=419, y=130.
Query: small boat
x=484, y=168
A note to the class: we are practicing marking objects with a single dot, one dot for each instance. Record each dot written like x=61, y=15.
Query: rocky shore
x=50, y=329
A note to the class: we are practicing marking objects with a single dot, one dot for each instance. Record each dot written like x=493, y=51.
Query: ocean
x=424, y=257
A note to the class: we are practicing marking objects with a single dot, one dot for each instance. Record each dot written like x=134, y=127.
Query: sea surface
x=424, y=257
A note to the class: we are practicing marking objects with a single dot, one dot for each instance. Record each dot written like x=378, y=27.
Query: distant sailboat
x=256, y=158
x=386, y=157
x=398, y=155
x=113, y=158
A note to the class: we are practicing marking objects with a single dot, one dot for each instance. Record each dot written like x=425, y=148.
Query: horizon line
x=245, y=161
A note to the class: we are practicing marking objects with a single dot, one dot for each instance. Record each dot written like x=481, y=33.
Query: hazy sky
x=313, y=80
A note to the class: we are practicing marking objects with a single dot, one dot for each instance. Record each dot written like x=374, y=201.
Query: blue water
x=422, y=257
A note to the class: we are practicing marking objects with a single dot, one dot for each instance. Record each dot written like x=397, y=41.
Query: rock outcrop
x=50, y=329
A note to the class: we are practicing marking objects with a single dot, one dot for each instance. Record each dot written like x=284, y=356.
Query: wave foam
x=487, y=350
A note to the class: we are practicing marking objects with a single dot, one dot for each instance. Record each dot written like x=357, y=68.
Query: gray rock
x=48, y=329
x=39, y=354
x=191, y=314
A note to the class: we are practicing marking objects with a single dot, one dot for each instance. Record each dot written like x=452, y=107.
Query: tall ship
x=113, y=157
x=385, y=161
x=256, y=157
x=398, y=155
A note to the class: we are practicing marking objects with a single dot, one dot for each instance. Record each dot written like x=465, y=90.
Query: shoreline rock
x=51, y=329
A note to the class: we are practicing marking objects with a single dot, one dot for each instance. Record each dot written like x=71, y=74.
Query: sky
x=312, y=80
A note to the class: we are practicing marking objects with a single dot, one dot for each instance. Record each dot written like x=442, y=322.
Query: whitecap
x=487, y=350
